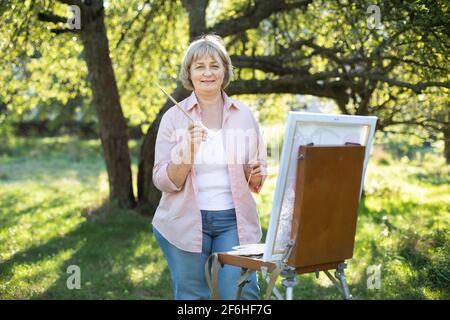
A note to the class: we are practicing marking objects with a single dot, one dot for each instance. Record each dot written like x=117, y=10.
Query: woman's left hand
x=255, y=172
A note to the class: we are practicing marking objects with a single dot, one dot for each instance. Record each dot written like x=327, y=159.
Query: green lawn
x=52, y=216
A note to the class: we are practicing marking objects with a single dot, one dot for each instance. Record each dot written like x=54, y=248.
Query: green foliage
x=147, y=42
x=412, y=147
x=44, y=76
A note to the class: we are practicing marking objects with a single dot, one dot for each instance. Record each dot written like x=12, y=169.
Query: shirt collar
x=192, y=101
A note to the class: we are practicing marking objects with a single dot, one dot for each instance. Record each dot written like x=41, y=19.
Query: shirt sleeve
x=165, y=143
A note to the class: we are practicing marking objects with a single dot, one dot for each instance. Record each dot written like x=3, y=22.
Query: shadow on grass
x=106, y=249
x=431, y=178
x=428, y=254
x=10, y=216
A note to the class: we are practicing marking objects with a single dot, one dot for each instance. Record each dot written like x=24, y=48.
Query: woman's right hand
x=197, y=134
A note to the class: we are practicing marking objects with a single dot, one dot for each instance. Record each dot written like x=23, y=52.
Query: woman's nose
x=207, y=72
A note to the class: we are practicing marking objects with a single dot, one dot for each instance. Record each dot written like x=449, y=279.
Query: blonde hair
x=209, y=44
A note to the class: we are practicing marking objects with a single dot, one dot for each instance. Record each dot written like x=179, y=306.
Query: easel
x=328, y=186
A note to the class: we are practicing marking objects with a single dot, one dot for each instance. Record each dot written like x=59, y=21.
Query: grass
x=53, y=215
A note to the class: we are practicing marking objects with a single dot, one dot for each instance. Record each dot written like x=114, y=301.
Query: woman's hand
x=197, y=134
x=178, y=172
x=255, y=172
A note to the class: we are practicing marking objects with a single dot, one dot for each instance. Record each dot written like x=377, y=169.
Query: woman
x=206, y=203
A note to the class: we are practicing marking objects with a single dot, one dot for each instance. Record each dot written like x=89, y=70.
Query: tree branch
x=414, y=62
x=71, y=2
x=426, y=123
x=273, y=64
x=130, y=24
x=417, y=88
x=137, y=43
x=330, y=53
x=297, y=85
x=254, y=15
x=267, y=64
x=65, y=30
x=50, y=17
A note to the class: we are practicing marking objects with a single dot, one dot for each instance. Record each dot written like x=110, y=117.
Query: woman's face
x=207, y=73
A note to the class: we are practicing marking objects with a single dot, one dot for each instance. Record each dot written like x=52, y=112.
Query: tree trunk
x=112, y=124
x=447, y=144
x=447, y=136
x=197, y=17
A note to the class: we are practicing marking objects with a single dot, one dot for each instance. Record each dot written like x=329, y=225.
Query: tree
x=398, y=72
x=112, y=124
x=343, y=59
x=47, y=66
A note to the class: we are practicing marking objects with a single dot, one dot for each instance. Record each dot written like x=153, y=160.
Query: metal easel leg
x=340, y=274
x=342, y=284
x=289, y=281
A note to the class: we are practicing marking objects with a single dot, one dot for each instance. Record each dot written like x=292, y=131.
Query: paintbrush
x=257, y=149
x=181, y=108
x=174, y=101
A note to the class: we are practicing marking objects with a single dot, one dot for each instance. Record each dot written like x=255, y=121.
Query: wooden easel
x=328, y=186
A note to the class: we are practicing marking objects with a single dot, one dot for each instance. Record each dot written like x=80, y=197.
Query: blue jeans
x=187, y=268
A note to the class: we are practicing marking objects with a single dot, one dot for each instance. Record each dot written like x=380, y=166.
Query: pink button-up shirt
x=178, y=217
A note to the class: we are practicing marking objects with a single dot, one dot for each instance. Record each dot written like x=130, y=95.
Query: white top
x=211, y=171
